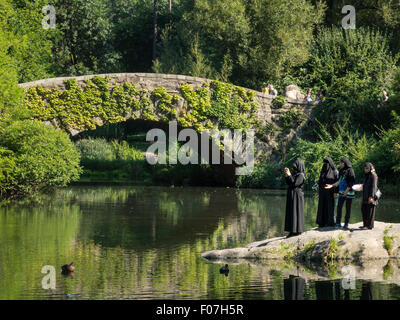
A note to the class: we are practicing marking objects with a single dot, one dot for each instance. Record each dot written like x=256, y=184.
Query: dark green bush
x=264, y=175
x=352, y=68
x=34, y=157
x=386, y=153
x=95, y=149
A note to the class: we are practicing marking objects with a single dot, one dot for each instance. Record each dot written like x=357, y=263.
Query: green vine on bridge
x=215, y=104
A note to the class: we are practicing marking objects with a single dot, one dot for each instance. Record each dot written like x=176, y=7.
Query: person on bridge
x=326, y=203
x=320, y=97
x=272, y=90
x=308, y=97
x=294, y=217
x=265, y=88
x=384, y=99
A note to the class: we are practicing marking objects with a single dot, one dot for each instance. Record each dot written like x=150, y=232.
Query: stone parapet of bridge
x=172, y=83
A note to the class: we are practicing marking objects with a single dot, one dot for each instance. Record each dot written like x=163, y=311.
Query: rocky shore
x=321, y=245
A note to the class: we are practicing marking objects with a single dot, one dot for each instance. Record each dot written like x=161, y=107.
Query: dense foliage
x=35, y=156
x=248, y=43
x=352, y=68
x=216, y=104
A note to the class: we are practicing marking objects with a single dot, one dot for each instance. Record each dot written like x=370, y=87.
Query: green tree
x=382, y=14
x=280, y=37
x=341, y=143
x=29, y=45
x=25, y=53
x=250, y=41
x=349, y=63
x=84, y=43
x=204, y=35
x=352, y=67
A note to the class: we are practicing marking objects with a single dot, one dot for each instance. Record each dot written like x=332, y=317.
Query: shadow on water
x=130, y=242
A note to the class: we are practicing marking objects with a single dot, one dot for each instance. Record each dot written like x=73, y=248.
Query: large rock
x=322, y=244
x=293, y=92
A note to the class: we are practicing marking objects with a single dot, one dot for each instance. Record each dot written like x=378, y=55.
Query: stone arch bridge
x=268, y=113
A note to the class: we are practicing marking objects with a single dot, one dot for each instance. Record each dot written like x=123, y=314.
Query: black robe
x=326, y=202
x=294, y=218
x=370, y=187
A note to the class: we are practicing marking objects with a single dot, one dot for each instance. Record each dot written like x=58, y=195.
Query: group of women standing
x=333, y=185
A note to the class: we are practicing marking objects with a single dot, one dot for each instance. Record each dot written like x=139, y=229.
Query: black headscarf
x=370, y=184
x=328, y=171
x=347, y=172
x=370, y=166
x=299, y=167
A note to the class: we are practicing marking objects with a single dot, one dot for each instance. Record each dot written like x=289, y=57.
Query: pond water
x=130, y=242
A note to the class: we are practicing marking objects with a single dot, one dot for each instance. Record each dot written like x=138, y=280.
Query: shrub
x=292, y=118
x=352, y=67
x=332, y=250
x=7, y=168
x=34, y=157
x=342, y=143
x=264, y=175
x=349, y=63
x=123, y=151
x=95, y=149
x=278, y=102
x=386, y=154
x=388, y=240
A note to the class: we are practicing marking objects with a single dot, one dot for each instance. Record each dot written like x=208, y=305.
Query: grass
x=388, y=240
x=309, y=247
x=285, y=247
x=332, y=250
x=388, y=270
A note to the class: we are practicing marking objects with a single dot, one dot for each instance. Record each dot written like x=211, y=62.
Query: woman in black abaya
x=369, y=202
x=326, y=203
x=294, y=219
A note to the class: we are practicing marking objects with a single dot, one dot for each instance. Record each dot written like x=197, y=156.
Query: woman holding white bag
x=371, y=194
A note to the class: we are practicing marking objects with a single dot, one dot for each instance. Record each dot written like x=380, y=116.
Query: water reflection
x=145, y=243
x=367, y=291
x=294, y=288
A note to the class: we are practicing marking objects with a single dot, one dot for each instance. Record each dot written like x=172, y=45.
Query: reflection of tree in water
x=31, y=237
x=126, y=246
x=150, y=217
x=267, y=209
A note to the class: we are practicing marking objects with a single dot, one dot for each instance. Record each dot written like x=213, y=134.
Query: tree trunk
x=155, y=30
